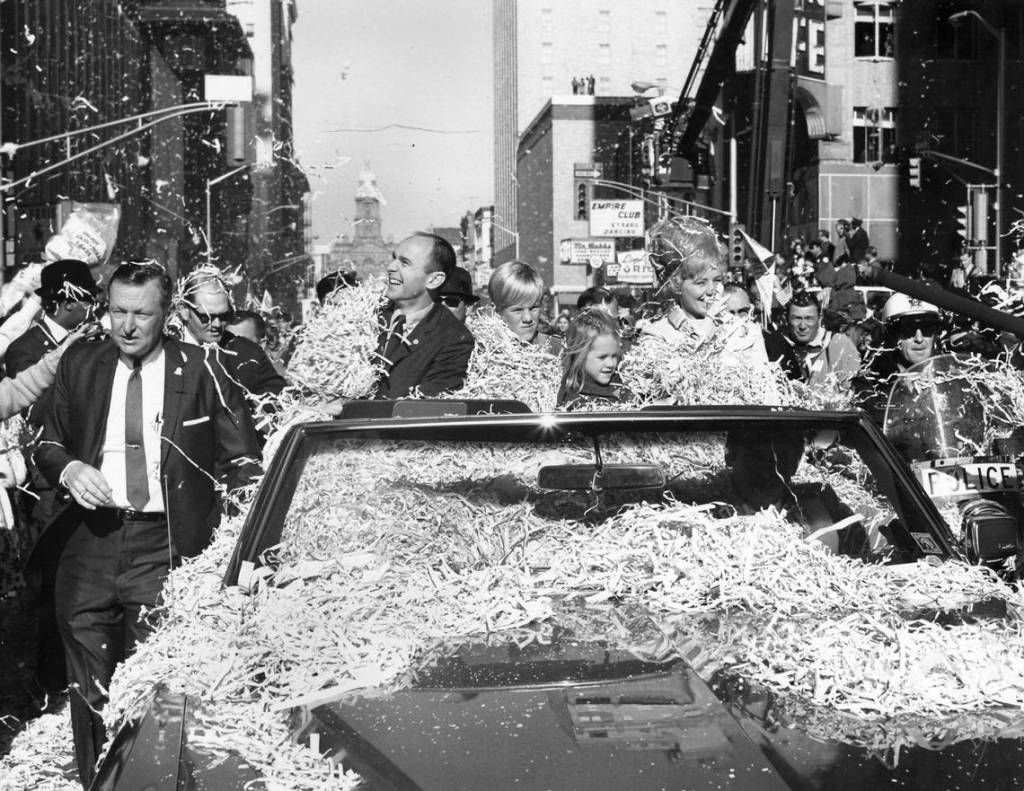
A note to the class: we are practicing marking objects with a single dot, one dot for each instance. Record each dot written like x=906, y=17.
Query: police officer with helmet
x=911, y=336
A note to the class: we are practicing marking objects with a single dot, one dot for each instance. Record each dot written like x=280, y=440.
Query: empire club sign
x=616, y=218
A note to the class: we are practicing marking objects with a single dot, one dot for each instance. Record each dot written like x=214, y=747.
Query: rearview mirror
x=612, y=476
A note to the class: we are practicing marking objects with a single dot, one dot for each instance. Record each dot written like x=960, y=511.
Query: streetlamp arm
x=229, y=174
x=98, y=147
x=972, y=13
x=197, y=106
x=927, y=154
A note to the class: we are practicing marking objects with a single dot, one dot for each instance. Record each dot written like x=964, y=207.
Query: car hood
x=582, y=715
x=571, y=714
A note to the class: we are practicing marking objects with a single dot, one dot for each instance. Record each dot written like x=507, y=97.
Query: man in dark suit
x=69, y=297
x=139, y=431
x=423, y=345
x=205, y=313
x=857, y=242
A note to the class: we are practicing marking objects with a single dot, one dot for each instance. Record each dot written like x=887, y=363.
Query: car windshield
x=826, y=482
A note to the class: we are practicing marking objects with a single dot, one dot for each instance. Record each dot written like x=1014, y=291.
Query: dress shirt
x=413, y=318
x=112, y=460
x=53, y=329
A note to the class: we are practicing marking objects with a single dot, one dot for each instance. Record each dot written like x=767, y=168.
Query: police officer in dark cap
x=457, y=293
x=69, y=298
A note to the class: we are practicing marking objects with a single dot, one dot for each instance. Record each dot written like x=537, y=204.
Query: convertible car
x=686, y=598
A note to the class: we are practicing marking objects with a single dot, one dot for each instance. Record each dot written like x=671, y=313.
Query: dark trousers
x=40, y=511
x=109, y=571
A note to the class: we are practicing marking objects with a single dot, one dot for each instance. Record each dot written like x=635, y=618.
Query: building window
x=661, y=21
x=546, y=21
x=547, y=85
x=873, y=30
x=604, y=53
x=874, y=134
x=546, y=51
x=661, y=54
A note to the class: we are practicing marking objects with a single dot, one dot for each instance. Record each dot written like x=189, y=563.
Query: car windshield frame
x=264, y=525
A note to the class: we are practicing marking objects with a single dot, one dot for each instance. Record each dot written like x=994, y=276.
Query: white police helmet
x=900, y=306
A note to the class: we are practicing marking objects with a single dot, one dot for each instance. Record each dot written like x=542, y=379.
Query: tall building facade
x=876, y=86
x=70, y=65
x=274, y=229
x=838, y=157
x=542, y=46
x=568, y=131
x=948, y=74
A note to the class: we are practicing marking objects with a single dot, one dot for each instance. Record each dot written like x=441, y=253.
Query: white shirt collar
x=412, y=319
x=57, y=332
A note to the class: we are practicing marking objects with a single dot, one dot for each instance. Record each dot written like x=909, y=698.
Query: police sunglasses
x=209, y=318
x=908, y=329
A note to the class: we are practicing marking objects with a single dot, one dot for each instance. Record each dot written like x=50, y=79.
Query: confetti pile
x=702, y=374
x=39, y=755
x=367, y=586
x=502, y=366
x=336, y=352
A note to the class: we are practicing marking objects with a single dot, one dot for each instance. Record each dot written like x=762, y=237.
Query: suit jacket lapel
x=46, y=337
x=420, y=333
x=102, y=383
x=174, y=360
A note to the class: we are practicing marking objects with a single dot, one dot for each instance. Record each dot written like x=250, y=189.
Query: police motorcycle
x=945, y=421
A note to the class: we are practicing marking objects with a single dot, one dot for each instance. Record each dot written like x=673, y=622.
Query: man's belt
x=128, y=515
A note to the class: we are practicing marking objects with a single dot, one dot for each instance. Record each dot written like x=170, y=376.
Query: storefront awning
x=817, y=129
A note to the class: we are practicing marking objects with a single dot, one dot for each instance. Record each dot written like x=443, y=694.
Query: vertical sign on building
x=809, y=39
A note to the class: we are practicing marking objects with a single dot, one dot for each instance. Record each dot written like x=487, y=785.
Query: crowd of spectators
x=806, y=311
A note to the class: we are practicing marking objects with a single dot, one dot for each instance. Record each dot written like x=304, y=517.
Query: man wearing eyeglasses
x=205, y=312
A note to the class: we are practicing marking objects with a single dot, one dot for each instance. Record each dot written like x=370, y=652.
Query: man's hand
x=88, y=486
x=83, y=332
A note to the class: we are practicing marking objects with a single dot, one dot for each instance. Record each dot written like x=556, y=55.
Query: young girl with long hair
x=590, y=362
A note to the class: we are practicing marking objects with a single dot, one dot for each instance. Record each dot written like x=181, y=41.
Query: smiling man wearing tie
x=138, y=429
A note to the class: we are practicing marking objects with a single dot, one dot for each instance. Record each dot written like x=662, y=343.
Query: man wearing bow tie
x=142, y=432
x=422, y=344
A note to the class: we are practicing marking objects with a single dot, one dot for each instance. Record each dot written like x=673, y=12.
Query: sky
x=414, y=63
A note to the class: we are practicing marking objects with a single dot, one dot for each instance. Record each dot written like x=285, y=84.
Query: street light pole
x=513, y=234
x=209, y=212
x=999, y=172
x=1000, y=149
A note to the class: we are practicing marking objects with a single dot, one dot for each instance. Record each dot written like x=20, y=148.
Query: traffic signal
x=737, y=246
x=582, y=197
x=963, y=222
x=914, y=172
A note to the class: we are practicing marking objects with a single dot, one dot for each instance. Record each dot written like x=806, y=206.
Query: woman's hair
x=583, y=331
x=514, y=283
x=684, y=248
